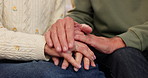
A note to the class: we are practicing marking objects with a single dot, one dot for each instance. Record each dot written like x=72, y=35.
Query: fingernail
x=94, y=65
x=94, y=57
x=70, y=45
x=63, y=67
x=58, y=49
x=76, y=69
x=50, y=45
x=87, y=67
x=56, y=63
x=79, y=66
x=65, y=49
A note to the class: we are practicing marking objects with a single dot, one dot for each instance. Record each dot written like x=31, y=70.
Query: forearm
x=21, y=46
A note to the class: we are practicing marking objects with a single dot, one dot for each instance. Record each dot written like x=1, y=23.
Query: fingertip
x=65, y=49
x=71, y=45
x=79, y=66
x=94, y=57
x=56, y=63
x=50, y=45
x=93, y=64
x=76, y=69
x=87, y=67
x=64, y=67
x=58, y=49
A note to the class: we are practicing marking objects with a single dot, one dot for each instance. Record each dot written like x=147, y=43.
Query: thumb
x=86, y=29
x=83, y=27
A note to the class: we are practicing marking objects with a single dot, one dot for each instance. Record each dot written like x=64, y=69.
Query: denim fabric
x=125, y=63
x=42, y=69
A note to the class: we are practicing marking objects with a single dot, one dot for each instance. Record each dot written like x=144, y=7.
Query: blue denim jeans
x=43, y=69
x=126, y=62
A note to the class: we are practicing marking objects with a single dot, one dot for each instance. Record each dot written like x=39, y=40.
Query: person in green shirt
x=119, y=36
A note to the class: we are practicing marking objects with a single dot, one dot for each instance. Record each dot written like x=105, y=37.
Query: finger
x=86, y=29
x=70, y=31
x=48, y=39
x=93, y=64
x=55, y=39
x=55, y=60
x=77, y=26
x=51, y=51
x=77, y=32
x=86, y=53
x=91, y=53
x=86, y=63
x=78, y=58
x=71, y=60
x=65, y=64
x=84, y=49
x=62, y=35
x=88, y=39
x=83, y=27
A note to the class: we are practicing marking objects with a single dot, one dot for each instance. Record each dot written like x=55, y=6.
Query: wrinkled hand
x=104, y=45
x=66, y=56
x=61, y=34
x=78, y=58
x=81, y=47
x=69, y=59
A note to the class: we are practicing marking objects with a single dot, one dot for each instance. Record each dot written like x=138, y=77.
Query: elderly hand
x=66, y=56
x=61, y=34
x=79, y=58
x=69, y=59
x=104, y=45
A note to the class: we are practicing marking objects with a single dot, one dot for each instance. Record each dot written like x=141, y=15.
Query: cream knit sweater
x=22, y=24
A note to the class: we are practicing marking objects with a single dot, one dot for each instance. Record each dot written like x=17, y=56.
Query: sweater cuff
x=131, y=39
x=39, y=53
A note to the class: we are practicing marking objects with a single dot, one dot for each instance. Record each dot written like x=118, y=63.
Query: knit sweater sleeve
x=136, y=37
x=82, y=12
x=20, y=46
x=59, y=11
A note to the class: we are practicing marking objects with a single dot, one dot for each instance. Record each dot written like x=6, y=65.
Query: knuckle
x=47, y=34
x=68, y=18
x=90, y=52
x=87, y=39
x=59, y=20
x=52, y=27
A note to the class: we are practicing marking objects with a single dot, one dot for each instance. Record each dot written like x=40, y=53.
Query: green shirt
x=127, y=19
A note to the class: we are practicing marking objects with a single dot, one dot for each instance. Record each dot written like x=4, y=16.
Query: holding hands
x=67, y=37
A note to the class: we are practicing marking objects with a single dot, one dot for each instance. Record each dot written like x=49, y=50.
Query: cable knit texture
x=22, y=24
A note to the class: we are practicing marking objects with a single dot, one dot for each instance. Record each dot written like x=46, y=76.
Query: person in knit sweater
x=119, y=36
x=23, y=24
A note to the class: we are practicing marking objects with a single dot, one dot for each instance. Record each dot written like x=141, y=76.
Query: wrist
x=116, y=43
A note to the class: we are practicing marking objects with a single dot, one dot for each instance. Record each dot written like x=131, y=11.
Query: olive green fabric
x=127, y=19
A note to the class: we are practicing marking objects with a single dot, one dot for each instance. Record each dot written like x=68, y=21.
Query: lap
x=130, y=60
x=42, y=69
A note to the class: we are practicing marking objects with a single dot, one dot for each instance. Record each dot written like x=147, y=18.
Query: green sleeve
x=136, y=37
x=82, y=12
